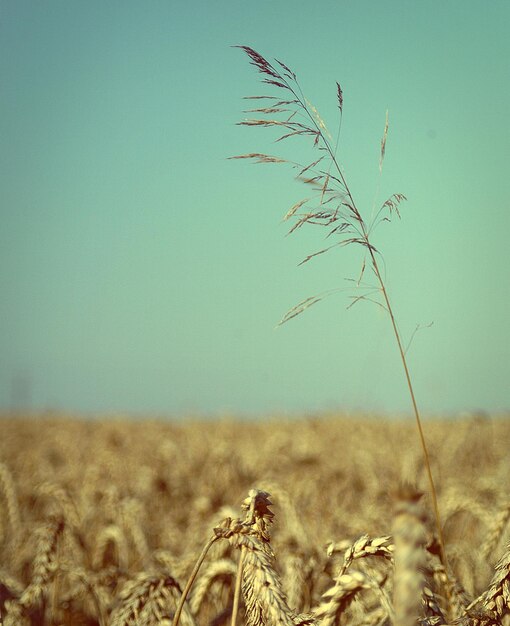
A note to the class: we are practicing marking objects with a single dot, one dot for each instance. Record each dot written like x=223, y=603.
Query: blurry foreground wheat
x=102, y=523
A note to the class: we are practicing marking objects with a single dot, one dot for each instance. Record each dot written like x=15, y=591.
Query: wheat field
x=102, y=521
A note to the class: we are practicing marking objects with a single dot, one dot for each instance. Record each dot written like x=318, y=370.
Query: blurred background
x=142, y=272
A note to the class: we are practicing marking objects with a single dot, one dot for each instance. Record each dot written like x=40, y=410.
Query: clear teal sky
x=141, y=271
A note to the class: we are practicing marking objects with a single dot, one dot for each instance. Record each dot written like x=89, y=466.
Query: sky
x=143, y=272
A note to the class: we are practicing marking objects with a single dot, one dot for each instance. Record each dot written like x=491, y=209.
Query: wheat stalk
x=191, y=579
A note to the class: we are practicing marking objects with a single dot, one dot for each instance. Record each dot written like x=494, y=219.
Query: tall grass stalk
x=331, y=204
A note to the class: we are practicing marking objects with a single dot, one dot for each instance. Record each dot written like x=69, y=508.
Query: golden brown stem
x=191, y=580
x=237, y=591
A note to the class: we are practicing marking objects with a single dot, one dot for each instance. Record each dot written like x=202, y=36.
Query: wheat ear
x=45, y=562
x=222, y=569
x=110, y=536
x=264, y=598
x=496, y=600
x=364, y=547
x=338, y=597
x=496, y=531
x=147, y=600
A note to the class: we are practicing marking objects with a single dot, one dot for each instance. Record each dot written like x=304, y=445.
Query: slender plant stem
x=288, y=80
x=237, y=591
x=415, y=408
x=365, y=236
x=191, y=580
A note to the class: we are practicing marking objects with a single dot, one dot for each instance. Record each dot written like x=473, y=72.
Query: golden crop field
x=102, y=522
